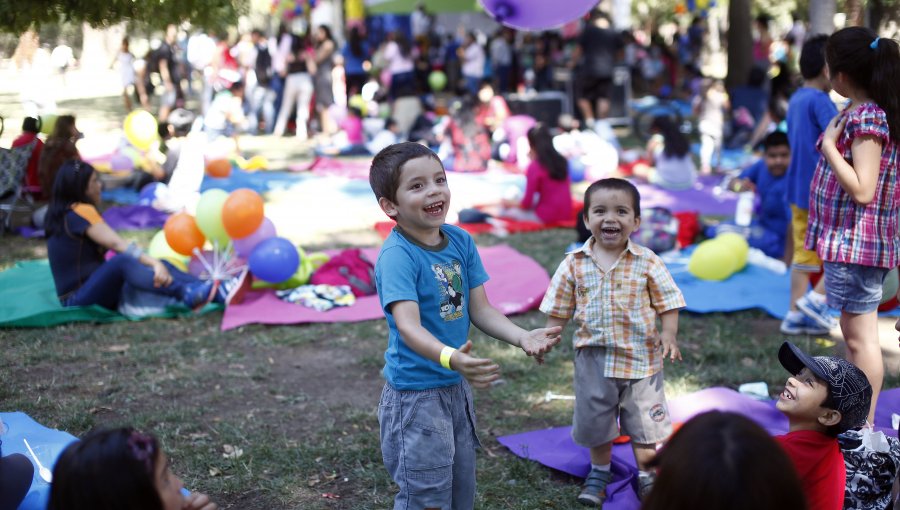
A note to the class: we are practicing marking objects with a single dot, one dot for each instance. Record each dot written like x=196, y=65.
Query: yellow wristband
x=446, y=352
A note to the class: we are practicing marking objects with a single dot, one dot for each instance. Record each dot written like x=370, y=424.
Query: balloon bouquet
x=241, y=237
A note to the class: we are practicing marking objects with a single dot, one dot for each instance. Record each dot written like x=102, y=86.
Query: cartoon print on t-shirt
x=451, y=289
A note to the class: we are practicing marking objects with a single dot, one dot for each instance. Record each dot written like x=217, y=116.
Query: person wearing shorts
x=615, y=289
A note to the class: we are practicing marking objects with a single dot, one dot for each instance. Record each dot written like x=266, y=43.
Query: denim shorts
x=853, y=288
x=428, y=445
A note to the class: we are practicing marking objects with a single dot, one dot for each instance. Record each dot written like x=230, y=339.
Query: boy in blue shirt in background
x=767, y=178
x=809, y=112
x=430, y=284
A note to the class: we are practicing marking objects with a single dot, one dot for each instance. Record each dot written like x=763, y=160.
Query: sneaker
x=232, y=291
x=593, y=493
x=197, y=295
x=819, y=313
x=802, y=326
x=645, y=484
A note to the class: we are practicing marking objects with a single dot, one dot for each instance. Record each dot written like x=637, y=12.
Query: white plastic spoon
x=44, y=472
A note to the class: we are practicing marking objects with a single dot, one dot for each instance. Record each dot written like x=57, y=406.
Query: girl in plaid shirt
x=854, y=196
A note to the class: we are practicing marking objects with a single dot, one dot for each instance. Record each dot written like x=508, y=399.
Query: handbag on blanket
x=347, y=268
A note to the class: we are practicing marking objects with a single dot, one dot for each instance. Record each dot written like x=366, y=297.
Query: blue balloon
x=274, y=260
x=576, y=170
x=150, y=192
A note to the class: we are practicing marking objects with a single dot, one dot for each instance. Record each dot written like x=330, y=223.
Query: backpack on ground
x=347, y=268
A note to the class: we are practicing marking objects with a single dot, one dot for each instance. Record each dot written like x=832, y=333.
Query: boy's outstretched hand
x=669, y=346
x=480, y=372
x=538, y=342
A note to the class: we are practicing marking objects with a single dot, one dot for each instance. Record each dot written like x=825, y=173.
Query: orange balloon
x=242, y=213
x=218, y=168
x=182, y=233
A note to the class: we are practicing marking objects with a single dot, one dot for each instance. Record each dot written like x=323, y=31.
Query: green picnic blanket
x=28, y=300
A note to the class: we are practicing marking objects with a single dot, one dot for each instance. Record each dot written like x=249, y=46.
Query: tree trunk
x=821, y=17
x=740, y=43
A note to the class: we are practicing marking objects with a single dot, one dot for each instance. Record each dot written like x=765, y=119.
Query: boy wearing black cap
x=824, y=397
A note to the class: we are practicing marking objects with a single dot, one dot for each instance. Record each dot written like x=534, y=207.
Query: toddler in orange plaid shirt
x=615, y=289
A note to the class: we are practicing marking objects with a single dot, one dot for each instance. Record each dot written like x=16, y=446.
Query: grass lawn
x=285, y=417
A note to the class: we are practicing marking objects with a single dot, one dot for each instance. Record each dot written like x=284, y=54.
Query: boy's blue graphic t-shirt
x=774, y=211
x=439, y=279
x=809, y=112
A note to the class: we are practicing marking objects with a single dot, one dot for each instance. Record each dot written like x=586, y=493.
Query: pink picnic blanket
x=517, y=285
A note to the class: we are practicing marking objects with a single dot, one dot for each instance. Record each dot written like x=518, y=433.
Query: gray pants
x=428, y=446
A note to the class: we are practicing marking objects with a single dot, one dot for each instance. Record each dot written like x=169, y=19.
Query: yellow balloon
x=712, y=260
x=141, y=129
x=159, y=249
x=738, y=247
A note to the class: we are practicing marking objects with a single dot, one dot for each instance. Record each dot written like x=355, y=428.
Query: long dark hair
x=328, y=36
x=355, y=42
x=62, y=130
x=107, y=470
x=541, y=142
x=676, y=144
x=69, y=187
x=724, y=461
x=872, y=64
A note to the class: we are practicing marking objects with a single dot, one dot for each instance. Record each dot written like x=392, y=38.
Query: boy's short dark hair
x=613, y=183
x=812, y=56
x=775, y=139
x=849, y=391
x=384, y=174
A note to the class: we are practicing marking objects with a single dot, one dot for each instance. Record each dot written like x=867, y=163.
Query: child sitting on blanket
x=669, y=153
x=825, y=397
x=724, y=461
x=430, y=283
x=119, y=468
x=767, y=178
x=548, y=190
x=615, y=289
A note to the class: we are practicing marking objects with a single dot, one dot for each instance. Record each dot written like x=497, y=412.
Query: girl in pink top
x=548, y=194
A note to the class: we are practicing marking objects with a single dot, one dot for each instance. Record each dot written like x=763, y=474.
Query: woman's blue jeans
x=104, y=286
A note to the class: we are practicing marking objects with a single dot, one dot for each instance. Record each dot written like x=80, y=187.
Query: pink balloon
x=244, y=246
x=536, y=14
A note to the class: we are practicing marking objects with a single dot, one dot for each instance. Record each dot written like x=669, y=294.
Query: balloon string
x=202, y=259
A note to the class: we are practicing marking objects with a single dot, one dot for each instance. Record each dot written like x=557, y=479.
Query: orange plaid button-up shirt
x=616, y=309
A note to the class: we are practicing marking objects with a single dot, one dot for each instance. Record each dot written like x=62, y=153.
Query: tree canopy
x=18, y=16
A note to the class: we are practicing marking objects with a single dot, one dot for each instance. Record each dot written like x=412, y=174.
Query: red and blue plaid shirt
x=840, y=230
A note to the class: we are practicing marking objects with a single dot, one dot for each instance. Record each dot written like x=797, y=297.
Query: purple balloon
x=120, y=161
x=274, y=260
x=536, y=14
x=244, y=246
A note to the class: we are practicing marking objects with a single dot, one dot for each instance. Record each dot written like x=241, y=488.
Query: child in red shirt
x=825, y=397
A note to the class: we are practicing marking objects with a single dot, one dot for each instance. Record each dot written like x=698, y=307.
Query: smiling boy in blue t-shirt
x=430, y=284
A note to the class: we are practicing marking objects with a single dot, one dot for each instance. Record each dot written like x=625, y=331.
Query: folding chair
x=13, y=195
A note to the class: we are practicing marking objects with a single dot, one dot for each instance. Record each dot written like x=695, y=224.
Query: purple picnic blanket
x=134, y=217
x=554, y=447
x=704, y=197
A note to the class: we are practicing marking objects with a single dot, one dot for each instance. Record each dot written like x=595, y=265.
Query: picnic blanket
x=517, y=285
x=705, y=197
x=752, y=287
x=28, y=300
x=134, y=217
x=47, y=444
x=554, y=447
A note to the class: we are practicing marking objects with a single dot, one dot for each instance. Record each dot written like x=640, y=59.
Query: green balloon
x=209, y=216
x=437, y=80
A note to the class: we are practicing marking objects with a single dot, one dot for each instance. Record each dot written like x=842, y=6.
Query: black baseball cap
x=851, y=393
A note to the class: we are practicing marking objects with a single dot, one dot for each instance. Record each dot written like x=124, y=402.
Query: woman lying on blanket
x=122, y=469
x=548, y=192
x=78, y=238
